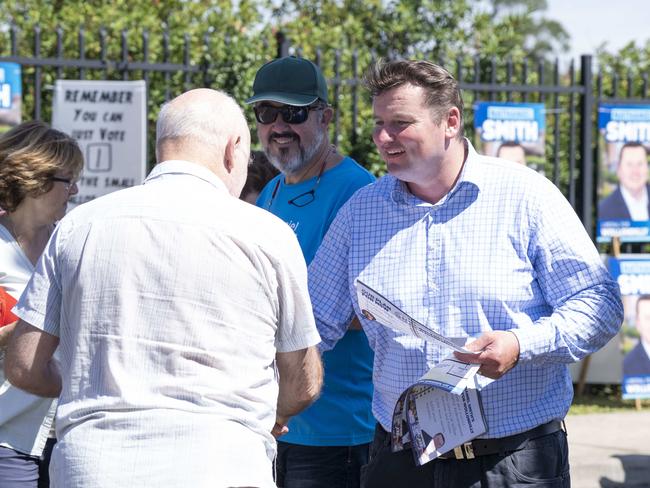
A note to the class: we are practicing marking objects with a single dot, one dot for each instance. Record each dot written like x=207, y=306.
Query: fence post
x=586, y=151
x=283, y=44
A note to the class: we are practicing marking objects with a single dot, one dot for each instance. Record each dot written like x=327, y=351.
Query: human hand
x=496, y=351
x=280, y=428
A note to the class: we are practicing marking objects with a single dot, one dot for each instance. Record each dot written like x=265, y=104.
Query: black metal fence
x=570, y=96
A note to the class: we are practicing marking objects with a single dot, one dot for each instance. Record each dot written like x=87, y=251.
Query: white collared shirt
x=170, y=300
x=638, y=208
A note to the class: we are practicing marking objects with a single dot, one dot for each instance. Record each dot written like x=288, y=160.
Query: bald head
x=206, y=127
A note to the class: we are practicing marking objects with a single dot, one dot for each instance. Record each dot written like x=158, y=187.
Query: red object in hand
x=6, y=304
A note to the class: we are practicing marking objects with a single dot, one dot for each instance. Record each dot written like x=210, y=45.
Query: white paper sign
x=109, y=121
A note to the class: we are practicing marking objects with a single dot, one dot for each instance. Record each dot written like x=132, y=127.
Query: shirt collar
x=470, y=174
x=179, y=166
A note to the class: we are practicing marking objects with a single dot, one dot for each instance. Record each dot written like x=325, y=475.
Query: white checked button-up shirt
x=502, y=251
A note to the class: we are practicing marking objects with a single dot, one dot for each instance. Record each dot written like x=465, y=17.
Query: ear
x=229, y=155
x=328, y=113
x=453, y=123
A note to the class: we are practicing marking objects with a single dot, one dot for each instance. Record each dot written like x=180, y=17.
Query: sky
x=592, y=22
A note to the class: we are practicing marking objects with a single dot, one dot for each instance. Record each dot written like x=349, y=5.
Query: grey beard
x=293, y=164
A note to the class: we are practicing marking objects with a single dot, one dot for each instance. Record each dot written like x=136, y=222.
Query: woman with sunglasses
x=39, y=167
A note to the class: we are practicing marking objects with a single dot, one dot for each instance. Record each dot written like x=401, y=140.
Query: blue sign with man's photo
x=510, y=130
x=633, y=278
x=10, y=95
x=624, y=206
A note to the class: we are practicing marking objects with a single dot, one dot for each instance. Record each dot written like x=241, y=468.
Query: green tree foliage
x=225, y=41
x=625, y=72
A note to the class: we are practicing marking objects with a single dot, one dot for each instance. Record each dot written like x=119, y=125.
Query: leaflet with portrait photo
x=442, y=410
x=439, y=422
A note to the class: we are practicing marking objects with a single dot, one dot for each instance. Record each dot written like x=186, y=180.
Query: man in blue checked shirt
x=473, y=246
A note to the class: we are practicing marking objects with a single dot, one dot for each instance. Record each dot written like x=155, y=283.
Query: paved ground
x=610, y=450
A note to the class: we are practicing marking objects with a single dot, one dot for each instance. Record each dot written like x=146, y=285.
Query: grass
x=604, y=399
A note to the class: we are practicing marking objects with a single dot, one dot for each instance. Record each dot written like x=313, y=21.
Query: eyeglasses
x=267, y=114
x=69, y=182
x=303, y=199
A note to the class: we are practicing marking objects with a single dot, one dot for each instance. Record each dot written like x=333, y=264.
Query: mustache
x=293, y=135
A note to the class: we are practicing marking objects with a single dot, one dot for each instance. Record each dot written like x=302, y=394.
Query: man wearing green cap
x=327, y=444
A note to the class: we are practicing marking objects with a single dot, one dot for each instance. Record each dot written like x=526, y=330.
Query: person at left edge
x=329, y=442
x=39, y=168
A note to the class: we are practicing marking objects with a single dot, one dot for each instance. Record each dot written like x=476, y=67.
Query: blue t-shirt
x=342, y=415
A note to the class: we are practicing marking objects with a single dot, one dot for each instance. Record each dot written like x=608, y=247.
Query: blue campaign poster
x=623, y=189
x=10, y=95
x=633, y=278
x=510, y=130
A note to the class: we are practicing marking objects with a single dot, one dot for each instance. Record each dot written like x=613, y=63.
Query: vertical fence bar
x=81, y=39
x=283, y=45
x=599, y=86
x=14, y=39
x=493, y=76
x=186, y=61
x=145, y=57
x=540, y=81
x=614, y=85
x=166, y=60
x=477, y=77
x=355, y=98
x=630, y=81
x=102, y=51
x=644, y=85
x=572, y=137
x=319, y=57
x=37, y=73
x=586, y=154
x=556, y=125
x=599, y=97
x=59, y=51
x=509, y=78
x=125, y=55
x=524, y=76
x=207, y=64
x=337, y=86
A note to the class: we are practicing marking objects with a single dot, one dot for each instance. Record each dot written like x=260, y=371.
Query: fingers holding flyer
x=496, y=351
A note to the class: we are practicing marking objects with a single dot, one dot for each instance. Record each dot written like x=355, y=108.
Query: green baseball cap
x=289, y=80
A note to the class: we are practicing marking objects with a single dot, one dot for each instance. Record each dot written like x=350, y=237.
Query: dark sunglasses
x=267, y=114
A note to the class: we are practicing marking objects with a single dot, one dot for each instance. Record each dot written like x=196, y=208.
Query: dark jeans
x=300, y=466
x=542, y=462
x=19, y=470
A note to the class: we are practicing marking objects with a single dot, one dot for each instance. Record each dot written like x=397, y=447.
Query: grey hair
x=208, y=123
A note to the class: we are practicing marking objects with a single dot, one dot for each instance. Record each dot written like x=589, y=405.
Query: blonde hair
x=30, y=155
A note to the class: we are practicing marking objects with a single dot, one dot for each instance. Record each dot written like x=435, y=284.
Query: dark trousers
x=541, y=462
x=300, y=466
x=19, y=470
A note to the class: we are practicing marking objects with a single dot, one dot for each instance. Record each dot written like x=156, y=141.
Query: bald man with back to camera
x=173, y=303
